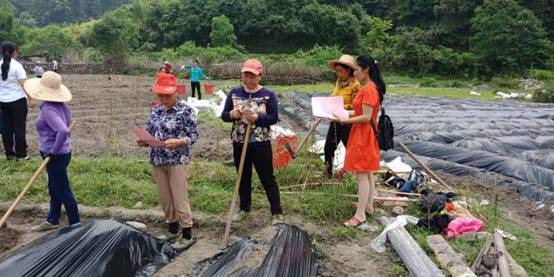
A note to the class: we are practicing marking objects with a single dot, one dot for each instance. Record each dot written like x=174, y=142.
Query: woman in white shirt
x=13, y=103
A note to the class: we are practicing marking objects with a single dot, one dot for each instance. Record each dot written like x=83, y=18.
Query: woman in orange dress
x=362, y=151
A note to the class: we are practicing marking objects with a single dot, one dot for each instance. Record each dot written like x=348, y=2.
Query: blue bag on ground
x=97, y=248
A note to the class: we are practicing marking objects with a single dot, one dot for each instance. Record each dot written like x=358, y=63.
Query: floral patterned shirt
x=264, y=102
x=177, y=122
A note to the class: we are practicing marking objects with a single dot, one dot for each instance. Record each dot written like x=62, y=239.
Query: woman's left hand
x=250, y=115
x=174, y=143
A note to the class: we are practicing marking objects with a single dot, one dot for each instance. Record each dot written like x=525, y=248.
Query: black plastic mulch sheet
x=508, y=141
x=227, y=260
x=97, y=248
x=507, y=166
x=290, y=255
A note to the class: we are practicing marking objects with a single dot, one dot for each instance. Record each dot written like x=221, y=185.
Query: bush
x=505, y=82
x=428, y=82
x=545, y=95
x=542, y=74
x=318, y=55
x=208, y=55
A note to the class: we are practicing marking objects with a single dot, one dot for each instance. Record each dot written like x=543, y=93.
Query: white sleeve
x=20, y=73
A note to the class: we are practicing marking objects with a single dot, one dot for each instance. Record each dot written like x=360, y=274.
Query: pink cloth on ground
x=457, y=227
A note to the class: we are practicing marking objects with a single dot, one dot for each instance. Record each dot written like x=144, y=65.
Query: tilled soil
x=8, y=238
x=105, y=107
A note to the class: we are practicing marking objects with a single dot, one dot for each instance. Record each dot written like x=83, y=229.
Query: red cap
x=165, y=84
x=253, y=66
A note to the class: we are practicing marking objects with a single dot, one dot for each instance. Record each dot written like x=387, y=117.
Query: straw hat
x=48, y=88
x=344, y=60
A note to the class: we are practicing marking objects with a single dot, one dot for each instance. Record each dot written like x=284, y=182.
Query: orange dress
x=362, y=150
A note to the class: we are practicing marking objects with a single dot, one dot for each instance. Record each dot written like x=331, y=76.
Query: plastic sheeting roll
x=98, y=248
x=290, y=255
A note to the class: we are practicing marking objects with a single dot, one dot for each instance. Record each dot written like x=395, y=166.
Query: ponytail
x=8, y=48
x=367, y=62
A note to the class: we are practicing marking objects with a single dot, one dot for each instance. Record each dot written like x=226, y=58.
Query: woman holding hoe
x=54, y=142
x=256, y=105
x=362, y=152
x=173, y=123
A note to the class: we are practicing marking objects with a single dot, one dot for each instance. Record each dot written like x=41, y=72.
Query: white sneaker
x=182, y=243
x=241, y=215
x=167, y=236
x=45, y=226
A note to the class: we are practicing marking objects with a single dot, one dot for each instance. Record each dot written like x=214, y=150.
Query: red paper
x=144, y=136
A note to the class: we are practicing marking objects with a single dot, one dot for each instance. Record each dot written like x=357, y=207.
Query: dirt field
x=106, y=107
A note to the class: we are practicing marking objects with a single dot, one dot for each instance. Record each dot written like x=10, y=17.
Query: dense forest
x=447, y=37
x=44, y=12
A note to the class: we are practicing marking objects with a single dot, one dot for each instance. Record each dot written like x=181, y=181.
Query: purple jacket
x=53, y=128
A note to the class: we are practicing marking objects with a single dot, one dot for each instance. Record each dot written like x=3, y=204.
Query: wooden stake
x=237, y=185
x=294, y=152
x=29, y=184
x=501, y=253
x=482, y=254
x=423, y=166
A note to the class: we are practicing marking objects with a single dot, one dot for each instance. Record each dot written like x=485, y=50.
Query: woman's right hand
x=236, y=114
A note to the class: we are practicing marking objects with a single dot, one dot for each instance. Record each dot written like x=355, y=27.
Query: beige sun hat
x=344, y=60
x=48, y=88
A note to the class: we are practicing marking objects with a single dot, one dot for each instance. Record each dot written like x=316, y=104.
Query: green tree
x=376, y=39
x=453, y=20
x=376, y=33
x=508, y=38
x=328, y=25
x=413, y=50
x=26, y=19
x=115, y=35
x=223, y=32
x=6, y=20
x=51, y=42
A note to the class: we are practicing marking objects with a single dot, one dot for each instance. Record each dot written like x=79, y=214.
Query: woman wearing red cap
x=362, y=151
x=174, y=123
x=257, y=105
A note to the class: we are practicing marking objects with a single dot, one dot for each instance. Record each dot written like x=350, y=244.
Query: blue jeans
x=60, y=190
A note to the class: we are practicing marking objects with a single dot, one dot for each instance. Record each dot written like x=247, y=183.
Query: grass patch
x=453, y=93
x=109, y=181
x=404, y=85
x=410, y=89
x=106, y=182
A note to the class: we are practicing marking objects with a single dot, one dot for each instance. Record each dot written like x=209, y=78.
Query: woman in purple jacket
x=55, y=142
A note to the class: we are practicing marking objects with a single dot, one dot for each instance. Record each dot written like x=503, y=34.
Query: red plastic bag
x=282, y=157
